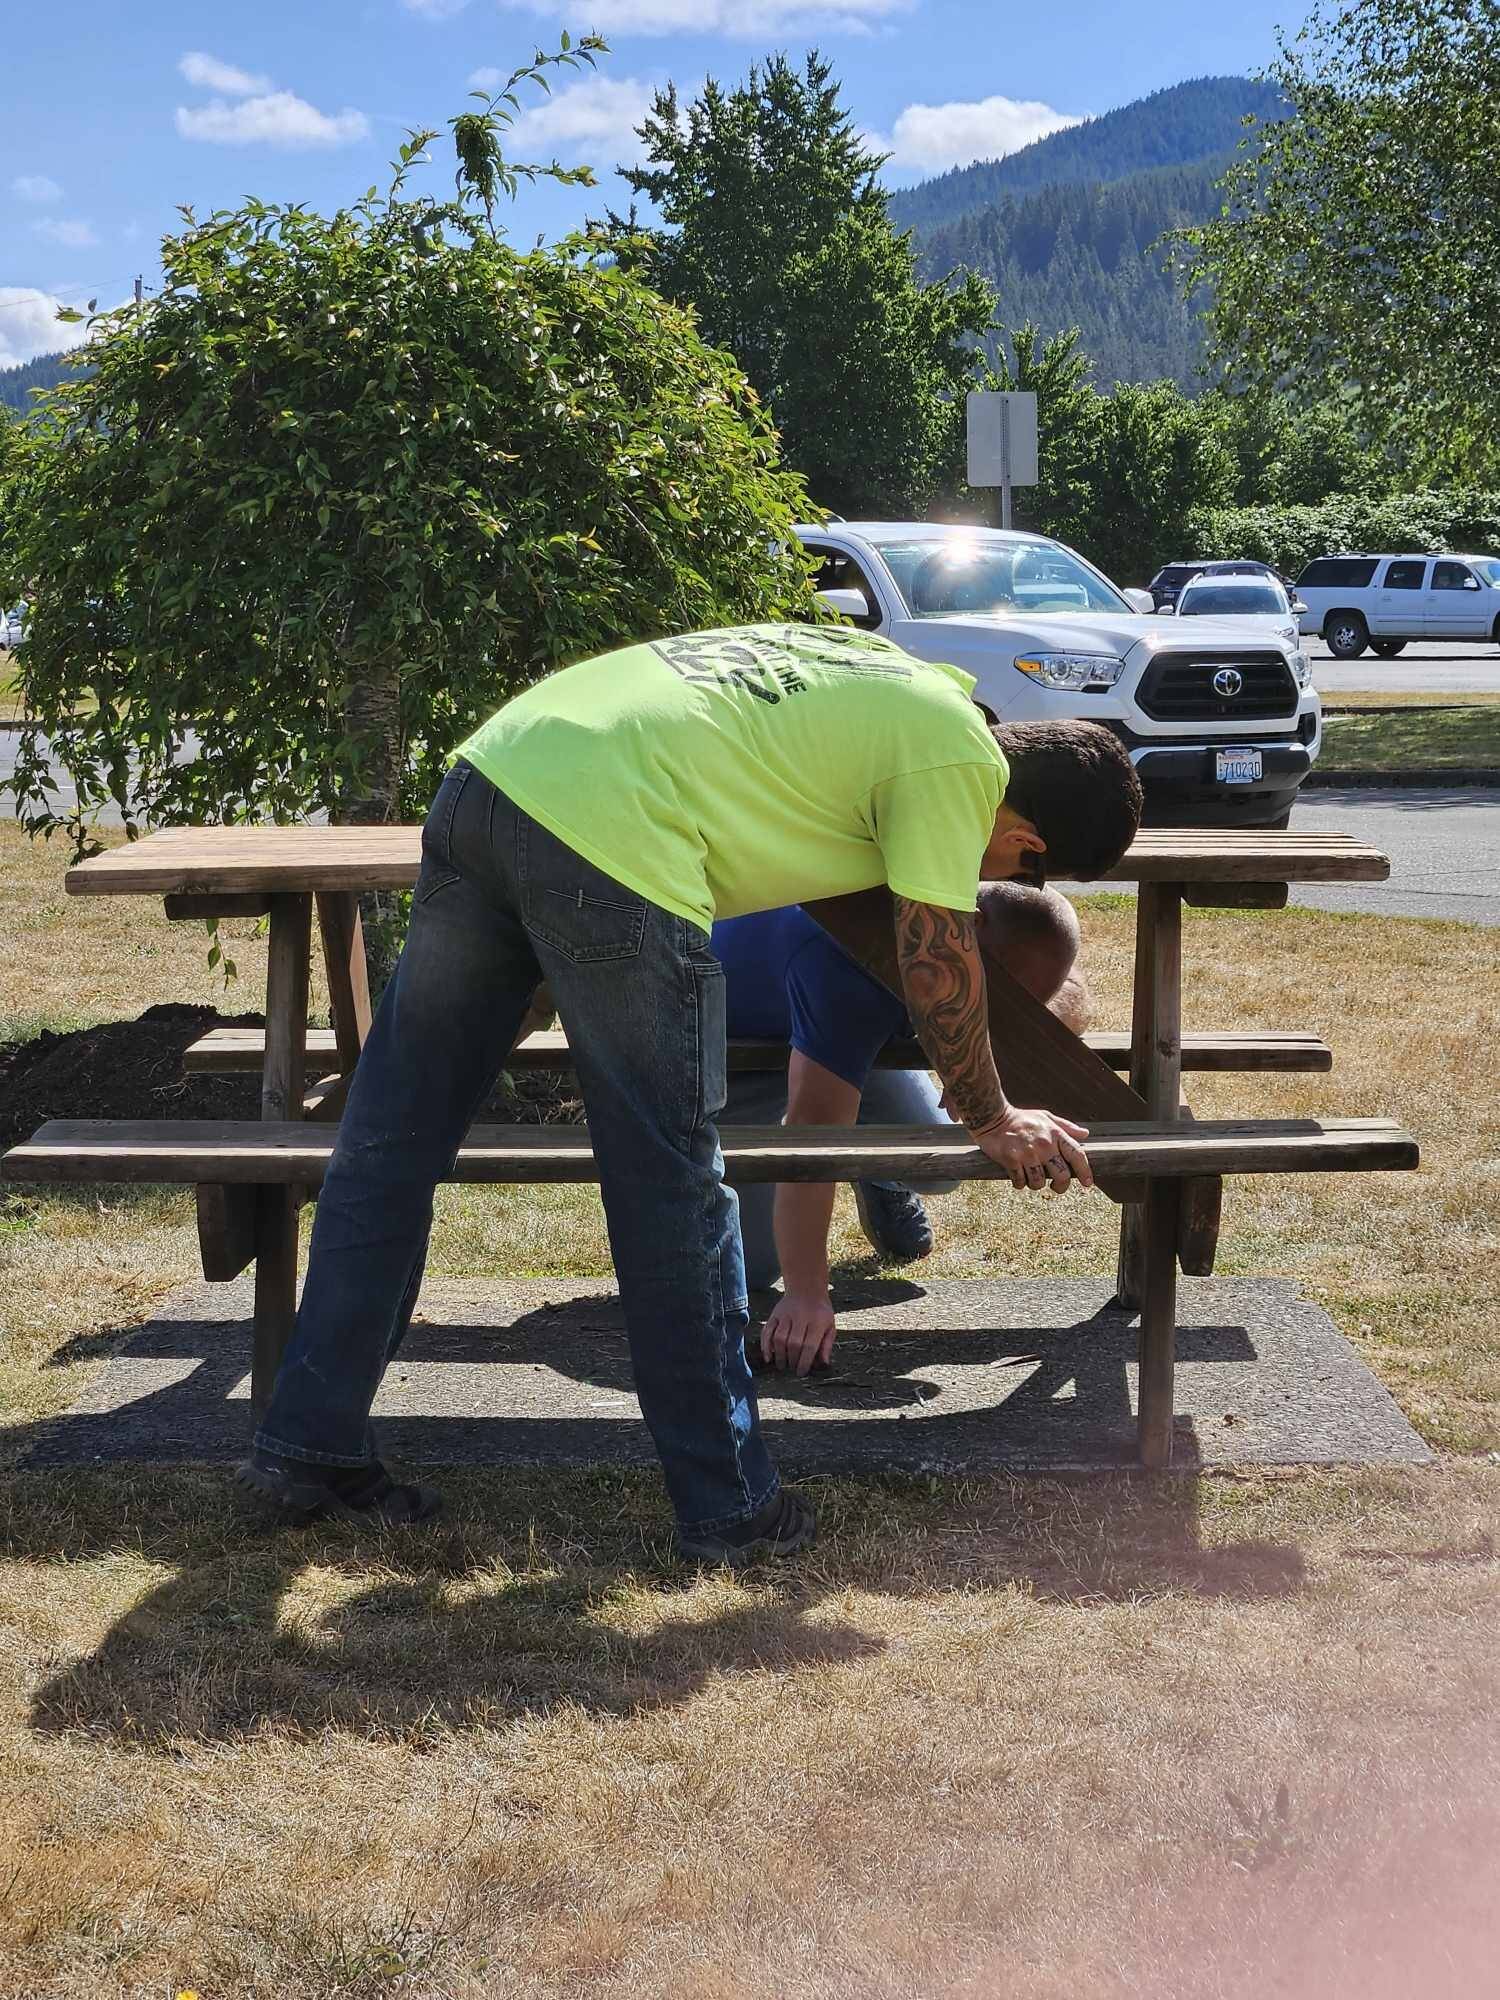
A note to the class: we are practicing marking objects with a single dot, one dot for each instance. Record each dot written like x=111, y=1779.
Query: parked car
x=1384, y=602
x=1221, y=721
x=1262, y=598
x=13, y=626
x=1172, y=578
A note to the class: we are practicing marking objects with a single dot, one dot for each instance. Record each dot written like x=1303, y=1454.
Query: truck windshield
x=951, y=575
x=1202, y=599
x=1487, y=569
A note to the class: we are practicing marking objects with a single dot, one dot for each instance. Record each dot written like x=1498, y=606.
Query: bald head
x=1031, y=933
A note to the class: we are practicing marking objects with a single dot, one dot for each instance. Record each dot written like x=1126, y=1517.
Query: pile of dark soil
x=133, y=1069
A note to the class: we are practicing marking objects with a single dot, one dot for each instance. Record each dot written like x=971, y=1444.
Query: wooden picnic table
x=290, y=873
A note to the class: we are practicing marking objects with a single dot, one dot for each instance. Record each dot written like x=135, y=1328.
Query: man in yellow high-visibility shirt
x=588, y=835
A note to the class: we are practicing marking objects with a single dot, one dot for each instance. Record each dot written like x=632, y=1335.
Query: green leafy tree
x=349, y=482
x=775, y=230
x=1357, y=253
x=1159, y=457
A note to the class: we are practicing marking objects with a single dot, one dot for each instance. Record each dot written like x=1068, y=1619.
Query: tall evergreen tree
x=775, y=230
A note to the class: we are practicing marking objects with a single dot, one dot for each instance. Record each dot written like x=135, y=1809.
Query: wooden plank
x=348, y=974
x=1156, y=1022
x=285, y=1070
x=1041, y=1062
x=326, y=1099
x=283, y=860
x=230, y=1051
x=226, y=1231
x=1158, y=1324
x=193, y=1150
x=1235, y=895
x=275, y=1287
x=188, y=909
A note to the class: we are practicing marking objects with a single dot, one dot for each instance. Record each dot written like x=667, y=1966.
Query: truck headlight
x=1077, y=673
x=1302, y=668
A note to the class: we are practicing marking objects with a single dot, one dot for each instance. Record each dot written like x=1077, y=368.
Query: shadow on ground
x=541, y=1589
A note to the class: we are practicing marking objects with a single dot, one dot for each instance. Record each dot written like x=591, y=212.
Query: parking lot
x=1453, y=668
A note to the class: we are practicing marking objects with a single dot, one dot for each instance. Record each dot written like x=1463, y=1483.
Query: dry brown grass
x=993, y=1739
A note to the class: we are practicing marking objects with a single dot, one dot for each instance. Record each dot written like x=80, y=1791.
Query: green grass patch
x=1414, y=739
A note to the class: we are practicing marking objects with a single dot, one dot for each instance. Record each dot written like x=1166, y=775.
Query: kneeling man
x=788, y=980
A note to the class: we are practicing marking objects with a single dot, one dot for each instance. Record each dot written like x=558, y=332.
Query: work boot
x=894, y=1221
x=364, y=1493
x=783, y=1527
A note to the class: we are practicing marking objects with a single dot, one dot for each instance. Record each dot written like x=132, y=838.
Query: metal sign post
x=1002, y=441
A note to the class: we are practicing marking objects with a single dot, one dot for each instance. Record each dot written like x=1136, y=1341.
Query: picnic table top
x=298, y=860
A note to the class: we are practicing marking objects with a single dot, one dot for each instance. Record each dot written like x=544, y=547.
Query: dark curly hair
x=1078, y=787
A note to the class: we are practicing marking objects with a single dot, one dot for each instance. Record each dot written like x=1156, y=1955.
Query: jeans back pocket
x=572, y=906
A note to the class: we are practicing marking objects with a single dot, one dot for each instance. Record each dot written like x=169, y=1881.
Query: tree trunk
x=370, y=795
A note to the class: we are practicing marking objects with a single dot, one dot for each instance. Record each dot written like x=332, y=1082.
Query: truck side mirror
x=1143, y=601
x=847, y=603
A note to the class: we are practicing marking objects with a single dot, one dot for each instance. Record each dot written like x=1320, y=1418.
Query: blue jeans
x=758, y=1097
x=499, y=905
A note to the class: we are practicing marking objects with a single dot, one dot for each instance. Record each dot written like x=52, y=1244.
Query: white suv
x=1219, y=714
x=1385, y=601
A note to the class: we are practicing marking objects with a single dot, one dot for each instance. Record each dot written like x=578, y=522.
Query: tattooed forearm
x=942, y=977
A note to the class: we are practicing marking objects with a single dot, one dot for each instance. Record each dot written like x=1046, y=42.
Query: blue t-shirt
x=787, y=980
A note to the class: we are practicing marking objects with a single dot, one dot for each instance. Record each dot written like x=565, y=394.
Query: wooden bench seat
x=234, y=1152
x=245, y=1174
x=227, y=1051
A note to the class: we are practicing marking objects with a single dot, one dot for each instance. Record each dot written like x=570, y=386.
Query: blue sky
x=114, y=115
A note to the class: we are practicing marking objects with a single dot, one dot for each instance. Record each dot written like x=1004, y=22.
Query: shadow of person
x=547, y=1588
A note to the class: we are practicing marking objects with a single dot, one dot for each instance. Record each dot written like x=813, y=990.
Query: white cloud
x=70, y=235
x=276, y=119
x=748, y=19
x=435, y=10
x=487, y=78
x=593, y=121
x=938, y=136
x=29, y=325
x=211, y=74
x=37, y=189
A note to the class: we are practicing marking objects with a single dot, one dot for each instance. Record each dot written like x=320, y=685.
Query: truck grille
x=1179, y=687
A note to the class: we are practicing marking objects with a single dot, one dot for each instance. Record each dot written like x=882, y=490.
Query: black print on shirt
x=769, y=664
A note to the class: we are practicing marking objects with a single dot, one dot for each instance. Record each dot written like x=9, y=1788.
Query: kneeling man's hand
x=1038, y=1150
x=798, y=1334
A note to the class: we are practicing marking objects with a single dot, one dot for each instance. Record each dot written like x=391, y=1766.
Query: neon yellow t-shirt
x=725, y=772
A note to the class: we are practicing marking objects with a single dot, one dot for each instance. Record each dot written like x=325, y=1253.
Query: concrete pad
x=958, y=1375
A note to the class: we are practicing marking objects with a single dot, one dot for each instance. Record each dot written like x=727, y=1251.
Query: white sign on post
x=1002, y=441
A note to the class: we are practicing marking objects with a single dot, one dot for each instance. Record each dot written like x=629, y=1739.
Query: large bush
x=351, y=481
x=1289, y=537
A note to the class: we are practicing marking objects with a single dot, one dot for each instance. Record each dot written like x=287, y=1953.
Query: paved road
x=1444, y=847
x=1439, y=669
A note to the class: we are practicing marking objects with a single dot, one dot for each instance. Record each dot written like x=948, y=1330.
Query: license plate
x=1238, y=767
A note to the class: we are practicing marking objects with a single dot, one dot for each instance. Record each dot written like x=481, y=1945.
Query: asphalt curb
x=1320, y=778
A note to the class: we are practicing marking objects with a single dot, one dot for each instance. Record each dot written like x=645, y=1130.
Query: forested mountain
x=1083, y=256
x=45, y=372
x=1068, y=229
x=1170, y=128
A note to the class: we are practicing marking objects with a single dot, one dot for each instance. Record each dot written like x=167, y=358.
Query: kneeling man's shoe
x=894, y=1220
x=364, y=1493
x=783, y=1527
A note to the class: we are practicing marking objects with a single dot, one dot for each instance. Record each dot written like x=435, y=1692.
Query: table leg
x=348, y=975
x=275, y=1287
x=285, y=1075
x=282, y=1084
x=1158, y=1322
x=1155, y=1045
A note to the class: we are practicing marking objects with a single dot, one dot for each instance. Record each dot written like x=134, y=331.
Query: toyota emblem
x=1228, y=681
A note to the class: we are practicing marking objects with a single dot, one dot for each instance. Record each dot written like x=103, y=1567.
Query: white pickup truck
x=1384, y=602
x=1219, y=714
